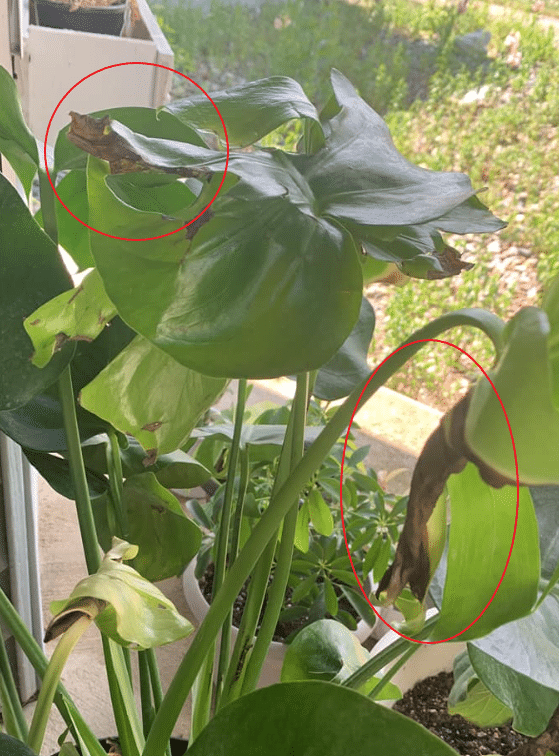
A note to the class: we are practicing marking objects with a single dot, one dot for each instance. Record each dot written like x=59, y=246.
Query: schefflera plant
x=267, y=282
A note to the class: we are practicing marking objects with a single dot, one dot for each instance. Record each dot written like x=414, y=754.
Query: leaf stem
x=48, y=207
x=276, y=593
x=258, y=585
x=51, y=679
x=34, y=653
x=114, y=467
x=77, y=471
x=12, y=710
x=374, y=665
x=123, y=701
x=224, y=527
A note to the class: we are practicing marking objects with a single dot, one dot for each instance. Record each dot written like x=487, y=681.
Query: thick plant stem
x=145, y=693
x=114, y=467
x=122, y=707
x=156, y=689
x=51, y=679
x=283, y=501
x=12, y=710
x=127, y=720
x=48, y=206
x=77, y=471
x=202, y=696
x=224, y=528
x=393, y=651
x=283, y=565
x=201, y=707
x=237, y=519
x=377, y=690
x=34, y=653
x=257, y=587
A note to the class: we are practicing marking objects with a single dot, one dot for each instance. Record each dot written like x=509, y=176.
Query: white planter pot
x=429, y=660
x=271, y=670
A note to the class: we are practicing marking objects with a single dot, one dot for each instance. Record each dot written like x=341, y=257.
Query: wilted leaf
x=137, y=613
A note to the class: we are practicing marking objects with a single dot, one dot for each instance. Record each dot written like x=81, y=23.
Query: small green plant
x=321, y=571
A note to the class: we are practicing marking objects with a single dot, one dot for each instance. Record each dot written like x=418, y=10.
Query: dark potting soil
x=427, y=704
x=283, y=629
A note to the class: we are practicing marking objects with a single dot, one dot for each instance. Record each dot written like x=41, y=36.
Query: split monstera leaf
x=475, y=430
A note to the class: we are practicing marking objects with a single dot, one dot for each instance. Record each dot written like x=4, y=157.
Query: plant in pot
x=94, y=16
x=267, y=282
x=321, y=582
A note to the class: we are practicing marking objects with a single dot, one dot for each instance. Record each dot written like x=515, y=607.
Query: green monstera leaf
x=523, y=380
x=268, y=282
x=250, y=111
x=77, y=315
x=518, y=661
x=244, y=298
x=483, y=520
x=472, y=699
x=348, y=367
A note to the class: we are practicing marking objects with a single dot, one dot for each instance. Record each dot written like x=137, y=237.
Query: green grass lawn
x=411, y=63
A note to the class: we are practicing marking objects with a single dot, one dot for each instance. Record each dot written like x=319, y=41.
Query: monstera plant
x=207, y=257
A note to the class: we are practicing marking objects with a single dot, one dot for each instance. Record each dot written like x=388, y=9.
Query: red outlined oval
x=447, y=343
x=137, y=63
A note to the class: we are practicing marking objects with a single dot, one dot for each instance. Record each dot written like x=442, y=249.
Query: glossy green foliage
x=78, y=315
x=242, y=109
x=31, y=272
x=174, y=470
x=147, y=394
x=72, y=235
x=38, y=425
x=482, y=526
x=11, y=747
x=17, y=142
x=313, y=718
x=348, y=367
x=242, y=298
x=329, y=652
x=523, y=380
x=471, y=699
x=518, y=661
x=270, y=283
x=155, y=517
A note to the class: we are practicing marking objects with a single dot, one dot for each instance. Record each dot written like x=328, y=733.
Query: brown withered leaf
x=450, y=262
x=152, y=426
x=95, y=136
x=81, y=607
x=445, y=452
